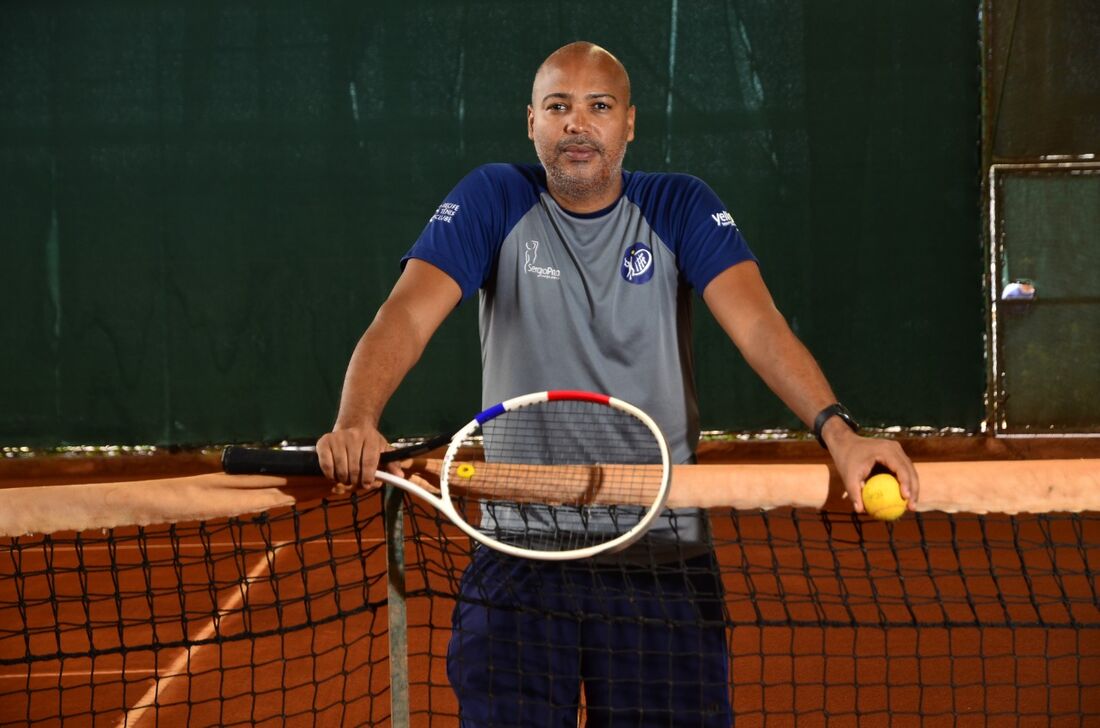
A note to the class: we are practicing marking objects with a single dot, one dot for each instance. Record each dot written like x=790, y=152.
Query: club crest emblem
x=637, y=266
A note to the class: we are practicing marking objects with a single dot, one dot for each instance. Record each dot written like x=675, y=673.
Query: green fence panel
x=204, y=203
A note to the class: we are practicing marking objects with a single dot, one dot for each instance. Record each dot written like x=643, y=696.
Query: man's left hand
x=855, y=457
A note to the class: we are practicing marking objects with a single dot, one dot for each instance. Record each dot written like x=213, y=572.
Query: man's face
x=581, y=120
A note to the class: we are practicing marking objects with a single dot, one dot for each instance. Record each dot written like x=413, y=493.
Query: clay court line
x=176, y=669
x=187, y=545
x=53, y=676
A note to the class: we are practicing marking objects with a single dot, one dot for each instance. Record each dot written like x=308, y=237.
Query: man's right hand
x=350, y=456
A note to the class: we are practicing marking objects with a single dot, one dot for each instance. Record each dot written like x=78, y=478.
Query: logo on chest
x=530, y=262
x=637, y=266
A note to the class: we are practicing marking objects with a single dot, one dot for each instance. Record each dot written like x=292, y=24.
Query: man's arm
x=391, y=345
x=744, y=308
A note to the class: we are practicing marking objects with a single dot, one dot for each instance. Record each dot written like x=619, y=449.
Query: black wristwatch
x=833, y=410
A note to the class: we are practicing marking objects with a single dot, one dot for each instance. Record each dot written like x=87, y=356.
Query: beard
x=579, y=181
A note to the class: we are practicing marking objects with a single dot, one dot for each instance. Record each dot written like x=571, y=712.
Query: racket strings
x=558, y=475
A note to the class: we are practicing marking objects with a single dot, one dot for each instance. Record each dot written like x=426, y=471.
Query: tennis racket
x=551, y=475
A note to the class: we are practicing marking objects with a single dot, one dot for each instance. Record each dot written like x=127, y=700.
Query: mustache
x=579, y=140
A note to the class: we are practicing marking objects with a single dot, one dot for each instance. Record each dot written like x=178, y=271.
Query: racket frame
x=620, y=542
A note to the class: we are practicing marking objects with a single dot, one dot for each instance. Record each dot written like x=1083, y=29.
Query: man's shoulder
x=495, y=195
x=661, y=194
x=511, y=189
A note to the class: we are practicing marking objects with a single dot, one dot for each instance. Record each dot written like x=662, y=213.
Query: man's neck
x=587, y=203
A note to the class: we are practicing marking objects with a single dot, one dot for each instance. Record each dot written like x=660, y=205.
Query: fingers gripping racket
x=551, y=475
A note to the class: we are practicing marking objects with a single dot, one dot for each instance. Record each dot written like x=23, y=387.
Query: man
x=584, y=274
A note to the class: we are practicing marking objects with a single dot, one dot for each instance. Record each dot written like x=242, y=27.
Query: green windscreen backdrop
x=204, y=203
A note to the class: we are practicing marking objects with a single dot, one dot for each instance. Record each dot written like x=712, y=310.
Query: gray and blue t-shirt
x=599, y=301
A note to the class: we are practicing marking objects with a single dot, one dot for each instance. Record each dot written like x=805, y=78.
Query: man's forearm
x=743, y=307
x=789, y=369
x=382, y=358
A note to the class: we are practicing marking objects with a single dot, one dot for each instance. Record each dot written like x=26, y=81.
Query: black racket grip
x=253, y=461
x=257, y=461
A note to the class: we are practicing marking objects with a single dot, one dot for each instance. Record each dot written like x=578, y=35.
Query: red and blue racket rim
x=558, y=395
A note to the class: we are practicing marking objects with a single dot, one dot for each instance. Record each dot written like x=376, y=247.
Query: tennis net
x=281, y=618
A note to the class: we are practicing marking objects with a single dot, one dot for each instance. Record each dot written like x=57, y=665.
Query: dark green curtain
x=205, y=202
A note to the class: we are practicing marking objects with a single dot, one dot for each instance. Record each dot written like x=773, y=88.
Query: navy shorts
x=647, y=643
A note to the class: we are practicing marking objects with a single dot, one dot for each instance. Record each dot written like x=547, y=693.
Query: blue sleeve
x=692, y=220
x=464, y=236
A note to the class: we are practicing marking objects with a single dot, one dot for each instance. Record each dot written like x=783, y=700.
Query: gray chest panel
x=591, y=303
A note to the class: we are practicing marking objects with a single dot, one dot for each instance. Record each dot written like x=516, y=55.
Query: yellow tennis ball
x=882, y=497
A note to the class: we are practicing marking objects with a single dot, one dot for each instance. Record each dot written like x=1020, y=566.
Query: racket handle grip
x=256, y=461
x=253, y=461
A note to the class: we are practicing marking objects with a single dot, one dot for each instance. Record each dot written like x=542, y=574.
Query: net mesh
x=253, y=620
x=280, y=619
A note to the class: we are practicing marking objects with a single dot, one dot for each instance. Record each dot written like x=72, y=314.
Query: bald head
x=581, y=121
x=577, y=55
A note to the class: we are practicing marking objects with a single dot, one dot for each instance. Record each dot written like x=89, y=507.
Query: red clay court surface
x=785, y=577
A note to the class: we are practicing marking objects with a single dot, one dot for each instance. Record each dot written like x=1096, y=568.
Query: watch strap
x=834, y=410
